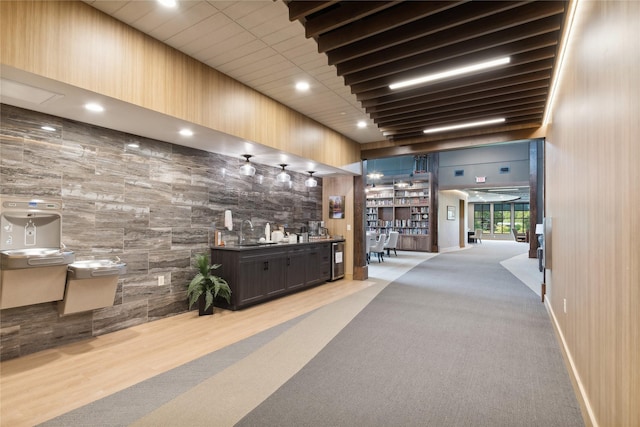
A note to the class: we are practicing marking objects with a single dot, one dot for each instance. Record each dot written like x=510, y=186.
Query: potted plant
x=206, y=287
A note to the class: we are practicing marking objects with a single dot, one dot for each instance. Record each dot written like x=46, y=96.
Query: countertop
x=267, y=245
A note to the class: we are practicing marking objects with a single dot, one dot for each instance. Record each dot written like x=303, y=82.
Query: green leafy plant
x=207, y=284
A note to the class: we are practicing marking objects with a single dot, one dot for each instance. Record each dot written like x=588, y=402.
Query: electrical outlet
x=564, y=305
x=161, y=281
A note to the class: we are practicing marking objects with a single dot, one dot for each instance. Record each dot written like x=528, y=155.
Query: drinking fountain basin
x=32, y=276
x=91, y=284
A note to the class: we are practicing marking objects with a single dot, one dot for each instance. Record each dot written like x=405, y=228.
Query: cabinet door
x=260, y=276
x=296, y=268
x=275, y=274
x=318, y=264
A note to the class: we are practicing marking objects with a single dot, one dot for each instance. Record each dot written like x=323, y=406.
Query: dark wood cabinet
x=318, y=264
x=259, y=274
x=296, y=268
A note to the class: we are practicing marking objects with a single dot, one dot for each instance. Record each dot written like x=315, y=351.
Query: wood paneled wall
x=76, y=44
x=592, y=195
x=341, y=186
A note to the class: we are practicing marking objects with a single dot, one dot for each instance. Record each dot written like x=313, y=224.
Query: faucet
x=242, y=229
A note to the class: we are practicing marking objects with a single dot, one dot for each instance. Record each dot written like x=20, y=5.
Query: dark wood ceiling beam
x=538, y=60
x=300, y=9
x=510, y=100
x=505, y=94
x=345, y=13
x=449, y=18
x=407, y=143
x=454, y=119
x=382, y=77
x=526, y=77
x=479, y=110
x=451, y=43
x=400, y=14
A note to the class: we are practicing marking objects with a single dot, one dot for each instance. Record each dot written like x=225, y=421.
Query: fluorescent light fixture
x=465, y=125
x=283, y=176
x=362, y=124
x=186, y=132
x=451, y=73
x=302, y=86
x=558, y=69
x=247, y=168
x=48, y=128
x=375, y=175
x=133, y=145
x=168, y=3
x=96, y=108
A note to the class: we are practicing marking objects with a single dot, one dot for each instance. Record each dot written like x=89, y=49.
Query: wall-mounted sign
x=481, y=179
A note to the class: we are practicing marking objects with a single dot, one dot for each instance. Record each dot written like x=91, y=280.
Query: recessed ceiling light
x=186, y=132
x=96, y=108
x=451, y=73
x=362, y=124
x=302, y=86
x=48, y=128
x=464, y=125
x=168, y=3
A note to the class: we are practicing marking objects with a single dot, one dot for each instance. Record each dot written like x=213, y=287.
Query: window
x=502, y=218
x=482, y=216
x=521, y=217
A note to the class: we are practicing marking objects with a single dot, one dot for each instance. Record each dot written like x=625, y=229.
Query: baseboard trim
x=585, y=406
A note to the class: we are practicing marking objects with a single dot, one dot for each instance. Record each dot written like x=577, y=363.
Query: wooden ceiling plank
x=453, y=119
x=538, y=71
x=510, y=100
x=300, y=9
x=345, y=13
x=441, y=21
x=488, y=75
x=500, y=95
x=401, y=14
x=532, y=81
x=452, y=43
x=446, y=58
x=479, y=110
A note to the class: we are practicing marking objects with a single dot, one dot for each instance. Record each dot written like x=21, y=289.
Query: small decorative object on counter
x=267, y=232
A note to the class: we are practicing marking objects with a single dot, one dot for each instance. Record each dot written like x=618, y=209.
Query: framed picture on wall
x=451, y=213
x=336, y=207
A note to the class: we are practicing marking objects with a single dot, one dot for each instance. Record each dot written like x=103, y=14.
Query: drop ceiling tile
x=183, y=21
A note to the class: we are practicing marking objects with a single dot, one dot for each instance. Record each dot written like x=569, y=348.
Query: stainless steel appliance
x=337, y=260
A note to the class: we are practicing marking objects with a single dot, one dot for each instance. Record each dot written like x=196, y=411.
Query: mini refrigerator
x=337, y=260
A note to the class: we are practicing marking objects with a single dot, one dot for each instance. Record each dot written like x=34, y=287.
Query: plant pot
x=201, y=310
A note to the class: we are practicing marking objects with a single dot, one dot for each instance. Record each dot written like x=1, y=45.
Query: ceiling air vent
x=459, y=172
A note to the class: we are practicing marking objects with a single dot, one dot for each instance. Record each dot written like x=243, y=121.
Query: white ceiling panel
x=255, y=43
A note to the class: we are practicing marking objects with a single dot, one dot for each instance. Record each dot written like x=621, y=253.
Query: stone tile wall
x=152, y=206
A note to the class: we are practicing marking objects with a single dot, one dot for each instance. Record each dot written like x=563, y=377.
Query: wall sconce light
x=311, y=181
x=247, y=168
x=283, y=176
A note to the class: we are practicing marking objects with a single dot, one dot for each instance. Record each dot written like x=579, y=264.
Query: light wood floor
x=43, y=385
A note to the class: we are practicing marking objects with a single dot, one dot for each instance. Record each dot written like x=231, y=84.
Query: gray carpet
x=129, y=405
x=457, y=341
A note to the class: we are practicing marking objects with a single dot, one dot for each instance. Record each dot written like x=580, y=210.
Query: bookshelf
x=404, y=209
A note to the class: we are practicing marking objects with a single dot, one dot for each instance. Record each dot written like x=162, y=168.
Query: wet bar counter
x=257, y=273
